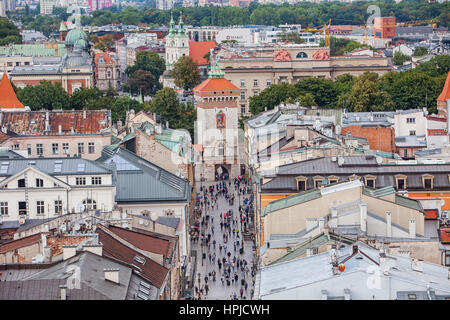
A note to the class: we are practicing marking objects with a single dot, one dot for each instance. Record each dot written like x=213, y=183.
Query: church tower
x=217, y=126
x=177, y=43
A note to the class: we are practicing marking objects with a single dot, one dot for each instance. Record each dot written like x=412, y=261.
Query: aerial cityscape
x=224, y=150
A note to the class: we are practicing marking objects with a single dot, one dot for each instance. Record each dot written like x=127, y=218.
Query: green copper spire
x=181, y=31
x=172, y=25
x=215, y=71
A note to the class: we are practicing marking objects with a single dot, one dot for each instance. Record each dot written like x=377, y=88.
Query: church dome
x=74, y=35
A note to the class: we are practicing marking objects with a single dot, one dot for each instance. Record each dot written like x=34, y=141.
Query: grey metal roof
x=69, y=166
x=31, y=223
x=139, y=180
x=413, y=30
x=360, y=166
x=420, y=295
x=93, y=283
x=315, y=271
x=6, y=153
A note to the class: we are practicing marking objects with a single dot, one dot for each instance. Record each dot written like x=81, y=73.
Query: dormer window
x=400, y=182
x=427, y=181
x=370, y=181
x=333, y=179
x=301, y=183
x=39, y=183
x=318, y=181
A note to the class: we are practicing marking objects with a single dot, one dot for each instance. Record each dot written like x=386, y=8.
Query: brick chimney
x=112, y=274
x=388, y=224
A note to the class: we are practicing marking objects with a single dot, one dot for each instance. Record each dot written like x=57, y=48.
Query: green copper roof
x=408, y=202
x=291, y=201
x=37, y=50
x=74, y=35
x=172, y=26
x=181, y=31
x=81, y=43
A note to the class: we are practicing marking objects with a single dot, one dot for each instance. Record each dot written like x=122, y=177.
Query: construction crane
x=326, y=30
x=433, y=22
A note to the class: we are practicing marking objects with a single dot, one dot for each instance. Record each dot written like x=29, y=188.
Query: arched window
x=90, y=204
x=301, y=54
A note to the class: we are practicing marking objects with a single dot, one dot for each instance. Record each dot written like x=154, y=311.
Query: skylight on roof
x=4, y=168
x=81, y=167
x=58, y=167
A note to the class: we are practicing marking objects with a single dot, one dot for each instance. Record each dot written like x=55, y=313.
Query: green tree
x=186, y=73
x=8, y=32
x=365, y=96
x=420, y=51
x=44, y=96
x=323, y=90
x=121, y=105
x=437, y=66
x=84, y=97
x=142, y=81
x=272, y=96
x=399, y=58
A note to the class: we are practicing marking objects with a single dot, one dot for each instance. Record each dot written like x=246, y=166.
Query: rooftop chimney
x=84, y=114
x=324, y=295
x=363, y=216
x=321, y=224
x=59, y=129
x=69, y=251
x=412, y=228
x=333, y=223
x=347, y=294
x=417, y=265
x=94, y=248
x=112, y=274
x=388, y=224
x=63, y=291
x=384, y=265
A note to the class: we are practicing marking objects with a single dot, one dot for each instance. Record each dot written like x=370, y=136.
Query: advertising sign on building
x=241, y=35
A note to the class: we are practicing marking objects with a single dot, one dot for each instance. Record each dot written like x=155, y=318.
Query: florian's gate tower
x=217, y=126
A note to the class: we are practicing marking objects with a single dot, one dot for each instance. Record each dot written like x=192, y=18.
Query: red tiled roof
x=436, y=118
x=437, y=132
x=3, y=137
x=150, y=270
x=8, y=98
x=20, y=243
x=431, y=213
x=445, y=94
x=444, y=234
x=216, y=84
x=33, y=122
x=145, y=242
x=197, y=49
x=106, y=57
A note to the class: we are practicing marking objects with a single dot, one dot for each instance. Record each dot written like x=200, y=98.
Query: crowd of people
x=224, y=258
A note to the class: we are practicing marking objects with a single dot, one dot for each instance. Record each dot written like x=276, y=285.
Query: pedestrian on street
x=240, y=291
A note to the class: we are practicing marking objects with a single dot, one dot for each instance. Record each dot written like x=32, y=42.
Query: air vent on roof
x=139, y=259
x=145, y=291
x=145, y=284
x=142, y=296
x=32, y=162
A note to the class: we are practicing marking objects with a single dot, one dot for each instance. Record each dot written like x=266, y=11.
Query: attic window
x=401, y=182
x=318, y=181
x=333, y=179
x=412, y=296
x=370, y=181
x=427, y=181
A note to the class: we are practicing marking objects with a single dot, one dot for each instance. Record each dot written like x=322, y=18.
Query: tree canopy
x=186, y=73
x=415, y=88
x=8, y=32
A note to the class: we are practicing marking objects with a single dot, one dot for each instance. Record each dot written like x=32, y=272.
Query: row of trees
x=305, y=13
x=415, y=88
x=165, y=103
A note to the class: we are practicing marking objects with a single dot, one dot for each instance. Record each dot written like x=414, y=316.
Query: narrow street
x=217, y=290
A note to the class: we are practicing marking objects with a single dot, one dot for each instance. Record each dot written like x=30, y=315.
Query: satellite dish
x=62, y=228
x=146, y=223
x=22, y=221
x=76, y=226
x=124, y=215
x=141, y=221
x=79, y=207
x=125, y=225
x=154, y=216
